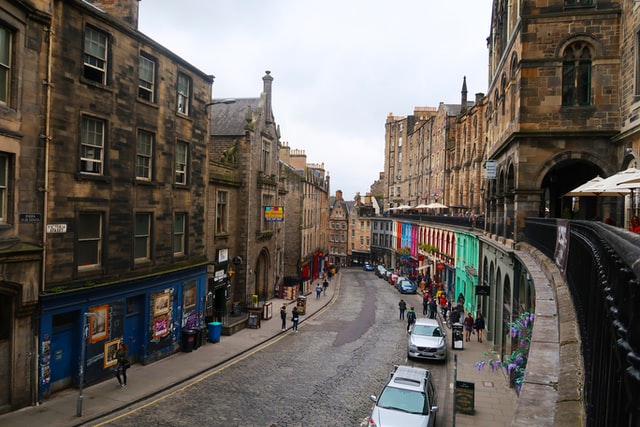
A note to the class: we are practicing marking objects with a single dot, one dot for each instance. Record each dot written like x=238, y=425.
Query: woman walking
x=479, y=325
x=123, y=364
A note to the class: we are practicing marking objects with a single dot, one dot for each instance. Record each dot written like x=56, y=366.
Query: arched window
x=576, y=74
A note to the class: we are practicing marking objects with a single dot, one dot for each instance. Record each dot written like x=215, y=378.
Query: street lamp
x=85, y=334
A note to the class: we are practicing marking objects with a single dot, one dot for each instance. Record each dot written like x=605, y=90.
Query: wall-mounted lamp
x=219, y=101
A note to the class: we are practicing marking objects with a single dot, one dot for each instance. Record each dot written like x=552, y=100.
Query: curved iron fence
x=602, y=271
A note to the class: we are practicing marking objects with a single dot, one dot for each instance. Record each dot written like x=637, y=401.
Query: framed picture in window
x=189, y=298
x=110, y=350
x=161, y=304
x=99, y=323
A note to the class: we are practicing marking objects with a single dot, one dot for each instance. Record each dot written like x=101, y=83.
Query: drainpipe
x=46, y=137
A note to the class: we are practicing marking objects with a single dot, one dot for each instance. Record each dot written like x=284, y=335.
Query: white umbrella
x=436, y=205
x=422, y=206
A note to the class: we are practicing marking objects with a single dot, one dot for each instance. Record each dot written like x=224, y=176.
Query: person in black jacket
x=283, y=316
x=123, y=364
x=479, y=326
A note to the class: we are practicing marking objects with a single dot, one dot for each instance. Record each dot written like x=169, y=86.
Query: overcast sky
x=339, y=66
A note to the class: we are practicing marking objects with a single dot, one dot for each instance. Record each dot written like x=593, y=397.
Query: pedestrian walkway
x=494, y=400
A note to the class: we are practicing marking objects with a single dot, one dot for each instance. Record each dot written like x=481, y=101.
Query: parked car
x=381, y=271
x=427, y=340
x=406, y=286
x=408, y=399
x=393, y=278
x=368, y=267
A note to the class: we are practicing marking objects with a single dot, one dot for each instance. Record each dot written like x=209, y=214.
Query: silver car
x=408, y=399
x=427, y=340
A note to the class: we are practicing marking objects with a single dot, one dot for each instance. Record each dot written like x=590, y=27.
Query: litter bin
x=215, y=330
x=197, y=339
x=204, y=334
x=188, y=340
x=457, y=337
x=301, y=304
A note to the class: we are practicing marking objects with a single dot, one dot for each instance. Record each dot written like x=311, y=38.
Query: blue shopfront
x=148, y=314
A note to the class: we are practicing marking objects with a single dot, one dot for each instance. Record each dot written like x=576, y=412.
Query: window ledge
x=81, y=176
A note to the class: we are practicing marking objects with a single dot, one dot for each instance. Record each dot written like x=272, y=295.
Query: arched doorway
x=262, y=275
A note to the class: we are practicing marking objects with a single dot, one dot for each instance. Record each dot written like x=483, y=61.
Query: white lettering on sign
x=56, y=228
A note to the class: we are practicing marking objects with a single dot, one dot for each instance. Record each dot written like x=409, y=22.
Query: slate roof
x=230, y=119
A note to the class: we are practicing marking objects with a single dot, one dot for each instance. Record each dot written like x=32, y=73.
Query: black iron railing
x=602, y=271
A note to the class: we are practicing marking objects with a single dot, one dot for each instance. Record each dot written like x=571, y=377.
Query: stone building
x=338, y=230
x=305, y=251
x=553, y=108
x=24, y=98
x=124, y=190
x=246, y=200
x=361, y=212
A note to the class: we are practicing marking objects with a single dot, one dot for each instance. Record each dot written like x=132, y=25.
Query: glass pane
x=89, y=226
x=142, y=225
x=140, y=247
x=88, y=253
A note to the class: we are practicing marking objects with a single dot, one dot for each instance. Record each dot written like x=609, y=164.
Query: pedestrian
x=479, y=325
x=325, y=285
x=425, y=303
x=318, y=290
x=455, y=315
x=295, y=318
x=123, y=364
x=468, y=326
x=283, y=316
x=433, y=309
x=403, y=306
x=411, y=318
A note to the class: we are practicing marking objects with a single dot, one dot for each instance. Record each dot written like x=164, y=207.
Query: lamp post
x=85, y=333
x=219, y=101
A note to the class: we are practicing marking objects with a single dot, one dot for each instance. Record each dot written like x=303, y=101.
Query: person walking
x=479, y=325
x=433, y=308
x=425, y=303
x=325, y=285
x=403, y=307
x=295, y=317
x=318, y=290
x=468, y=326
x=411, y=318
x=123, y=364
x=283, y=316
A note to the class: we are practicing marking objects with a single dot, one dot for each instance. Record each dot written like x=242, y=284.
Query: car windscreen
x=427, y=331
x=413, y=402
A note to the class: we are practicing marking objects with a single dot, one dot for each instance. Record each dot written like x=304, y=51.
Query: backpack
x=411, y=316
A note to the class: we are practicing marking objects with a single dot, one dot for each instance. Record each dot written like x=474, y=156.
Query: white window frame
x=144, y=155
x=179, y=233
x=142, y=236
x=183, y=94
x=89, y=241
x=6, y=54
x=92, y=146
x=146, y=78
x=96, y=45
x=181, y=163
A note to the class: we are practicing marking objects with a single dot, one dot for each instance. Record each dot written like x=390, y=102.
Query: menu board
x=465, y=396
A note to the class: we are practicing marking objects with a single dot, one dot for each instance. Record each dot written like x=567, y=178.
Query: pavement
x=493, y=401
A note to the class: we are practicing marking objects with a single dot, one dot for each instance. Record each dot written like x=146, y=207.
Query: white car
x=408, y=399
x=427, y=340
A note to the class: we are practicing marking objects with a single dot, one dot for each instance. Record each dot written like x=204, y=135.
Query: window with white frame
x=95, y=55
x=182, y=157
x=6, y=41
x=5, y=167
x=144, y=153
x=89, y=252
x=184, y=94
x=266, y=156
x=142, y=237
x=222, y=209
x=92, y=146
x=179, y=233
x=146, y=79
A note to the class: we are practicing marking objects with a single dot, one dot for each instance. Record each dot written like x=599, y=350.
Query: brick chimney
x=267, y=81
x=125, y=10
